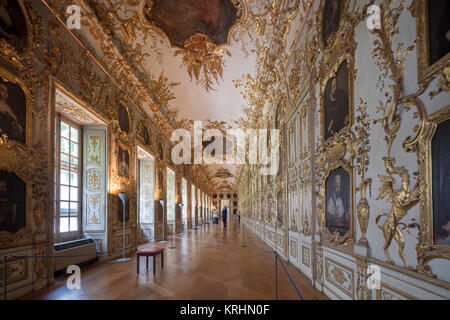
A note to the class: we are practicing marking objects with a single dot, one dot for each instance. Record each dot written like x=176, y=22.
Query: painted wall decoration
x=180, y=19
x=123, y=163
x=13, y=26
x=13, y=110
x=441, y=183
x=124, y=119
x=331, y=18
x=338, y=197
x=12, y=202
x=336, y=102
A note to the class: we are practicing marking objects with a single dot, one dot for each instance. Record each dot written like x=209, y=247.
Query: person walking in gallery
x=224, y=217
x=215, y=218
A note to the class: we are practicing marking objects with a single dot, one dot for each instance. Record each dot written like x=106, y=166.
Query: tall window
x=68, y=180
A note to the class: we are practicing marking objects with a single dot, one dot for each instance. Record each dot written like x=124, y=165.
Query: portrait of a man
x=440, y=148
x=13, y=27
x=439, y=29
x=124, y=120
x=336, y=102
x=124, y=163
x=338, y=201
x=12, y=111
x=331, y=18
x=12, y=202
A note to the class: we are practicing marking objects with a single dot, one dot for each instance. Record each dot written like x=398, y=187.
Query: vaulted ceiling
x=206, y=54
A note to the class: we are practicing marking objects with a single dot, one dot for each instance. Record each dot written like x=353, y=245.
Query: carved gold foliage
x=362, y=145
x=203, y=60
x=391, y=62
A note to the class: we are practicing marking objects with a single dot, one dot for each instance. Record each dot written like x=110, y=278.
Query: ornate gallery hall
x=224, y=150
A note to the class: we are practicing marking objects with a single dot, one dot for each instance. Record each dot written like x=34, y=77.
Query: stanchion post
x=276, y=276
x=243, y=235
x=4, y=277
x=171, y=237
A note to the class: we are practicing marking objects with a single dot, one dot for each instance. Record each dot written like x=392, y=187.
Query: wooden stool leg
x=162, y=260
x=146, y=261
x=154, y=264
x=137, y=258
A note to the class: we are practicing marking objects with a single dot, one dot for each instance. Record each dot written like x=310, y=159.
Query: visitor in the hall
x=215, y=217
x=224, y=217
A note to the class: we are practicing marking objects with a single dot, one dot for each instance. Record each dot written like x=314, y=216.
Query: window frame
x=69, y=235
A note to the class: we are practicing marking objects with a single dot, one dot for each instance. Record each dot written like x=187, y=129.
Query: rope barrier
x=277, y=258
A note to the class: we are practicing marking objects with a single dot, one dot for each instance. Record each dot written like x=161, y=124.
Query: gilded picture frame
x=9, y=78
x=427, y=250
x=7, y=50
x=23, y=235
x=349, y=59
x=426, y=71
x=335, y=36
x=348, y=238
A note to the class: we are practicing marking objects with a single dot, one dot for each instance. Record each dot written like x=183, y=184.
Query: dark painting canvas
x=336, y=102
x=331, y=18
x=124, y=120
x=13, y=26
x=12, y=202
x=439, y=29
x=441, y=183
x=13, y=111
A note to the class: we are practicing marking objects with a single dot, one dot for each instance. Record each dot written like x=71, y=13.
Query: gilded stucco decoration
x=29, y=164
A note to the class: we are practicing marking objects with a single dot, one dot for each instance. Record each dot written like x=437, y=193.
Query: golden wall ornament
x=362, y=129
x=391, y=64
x=427, y=249
x=203, y=60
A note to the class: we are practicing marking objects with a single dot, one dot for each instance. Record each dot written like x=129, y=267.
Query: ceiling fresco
x=181, y=19
x=212, y=61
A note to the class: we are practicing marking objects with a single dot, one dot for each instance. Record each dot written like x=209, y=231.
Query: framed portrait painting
x=332, y=13
x=123, y=164
x=14, y=24
x=338, y=201
x=337, y=101
x=14, y=109
x=13, y=195
x=434, y=169
x=124, y=118
x=433, y=37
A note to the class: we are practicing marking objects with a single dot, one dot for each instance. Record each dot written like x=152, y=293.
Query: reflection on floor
x=206, y=264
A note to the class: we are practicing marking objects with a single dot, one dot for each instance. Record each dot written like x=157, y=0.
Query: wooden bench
x=150, y=252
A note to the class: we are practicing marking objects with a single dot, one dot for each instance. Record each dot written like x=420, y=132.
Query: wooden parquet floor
x=206, y=264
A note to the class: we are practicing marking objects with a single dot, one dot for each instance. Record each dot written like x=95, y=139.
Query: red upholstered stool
x=150, y=252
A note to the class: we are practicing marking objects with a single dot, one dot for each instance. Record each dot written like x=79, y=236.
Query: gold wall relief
x=362, y=146
x=391, y=61
x=340, y=276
